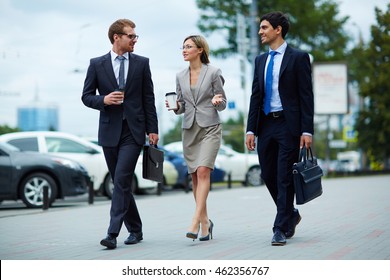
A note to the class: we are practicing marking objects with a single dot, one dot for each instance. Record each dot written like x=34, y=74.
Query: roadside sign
x=349, y=134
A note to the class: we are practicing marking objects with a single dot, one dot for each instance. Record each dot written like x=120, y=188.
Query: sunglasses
x=130, y=36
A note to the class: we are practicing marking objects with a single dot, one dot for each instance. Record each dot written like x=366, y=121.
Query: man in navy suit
x=127, y=113
x=285, y=124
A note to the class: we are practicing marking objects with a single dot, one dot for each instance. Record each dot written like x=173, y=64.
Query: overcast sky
x=45, y=47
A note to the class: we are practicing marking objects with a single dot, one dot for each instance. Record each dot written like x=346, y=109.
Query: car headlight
x=69, y=163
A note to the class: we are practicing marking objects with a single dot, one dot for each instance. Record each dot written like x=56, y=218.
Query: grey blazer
x=199, y=106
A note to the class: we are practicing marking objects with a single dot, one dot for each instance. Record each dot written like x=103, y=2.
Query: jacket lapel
x=132, y=65
x=286, y=59
x=199, y=83
x=261, y=73
x=107, y=66
x=187, y=85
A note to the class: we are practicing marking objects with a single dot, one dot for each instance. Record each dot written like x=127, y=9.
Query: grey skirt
x=201, y=145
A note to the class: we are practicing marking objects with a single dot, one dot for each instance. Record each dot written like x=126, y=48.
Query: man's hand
x=306, y=140
x=250, y=142
x=153, y=138
x=114, y=98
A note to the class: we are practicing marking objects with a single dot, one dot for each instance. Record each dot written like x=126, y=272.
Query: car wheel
x=109, y=186
x=253, y=177
x=164, y=182
x=31, y=189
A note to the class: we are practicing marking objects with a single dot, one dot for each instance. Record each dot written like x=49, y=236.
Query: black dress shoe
x=134, y=238
x=109, y=241
x=279, y=239
x=294, y=221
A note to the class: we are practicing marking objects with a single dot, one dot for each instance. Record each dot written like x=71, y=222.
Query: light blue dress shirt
x=276, y=104
x=116, y=64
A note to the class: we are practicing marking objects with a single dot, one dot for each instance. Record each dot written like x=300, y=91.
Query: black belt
x=275, y=115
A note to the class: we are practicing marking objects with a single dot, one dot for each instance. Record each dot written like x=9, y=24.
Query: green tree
x=6, y=129
x=174, y=134
x=316, y=26
x=233, y=133
x=371, y=70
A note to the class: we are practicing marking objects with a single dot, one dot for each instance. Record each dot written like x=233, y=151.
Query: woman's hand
x=217, y=99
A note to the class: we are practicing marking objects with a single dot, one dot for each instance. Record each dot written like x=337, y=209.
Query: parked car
x=170, y=172
x=242, y=167
x=170, y=175
x=23, y=175
x=349, y=161
x=83, y=151
x=184, y=179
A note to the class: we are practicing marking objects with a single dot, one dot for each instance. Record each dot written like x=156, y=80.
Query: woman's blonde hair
x=200, y=42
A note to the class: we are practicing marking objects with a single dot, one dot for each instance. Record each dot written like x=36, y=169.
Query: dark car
x=184, y=179
x=23, y=175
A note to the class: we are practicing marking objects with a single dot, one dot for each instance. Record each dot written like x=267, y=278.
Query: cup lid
x=170, y=93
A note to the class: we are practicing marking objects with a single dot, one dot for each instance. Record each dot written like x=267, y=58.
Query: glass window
x=26, y=144
x=222, y=151
x=60, y=145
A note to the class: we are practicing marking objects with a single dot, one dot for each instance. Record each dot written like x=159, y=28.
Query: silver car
x=78, y=149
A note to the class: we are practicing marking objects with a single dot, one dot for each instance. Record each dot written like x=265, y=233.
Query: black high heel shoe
x=210, y=235
x=193, y=235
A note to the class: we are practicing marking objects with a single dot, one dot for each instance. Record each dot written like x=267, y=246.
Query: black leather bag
x=307, y=177
x=152, y=164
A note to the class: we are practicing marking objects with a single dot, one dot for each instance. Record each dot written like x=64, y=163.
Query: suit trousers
x=278, y=150
x=121, y=161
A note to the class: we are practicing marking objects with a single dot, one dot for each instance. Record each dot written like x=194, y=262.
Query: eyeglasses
x=130, y=36
x=187, y=47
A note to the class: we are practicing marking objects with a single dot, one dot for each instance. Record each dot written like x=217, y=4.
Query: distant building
x=38, y=117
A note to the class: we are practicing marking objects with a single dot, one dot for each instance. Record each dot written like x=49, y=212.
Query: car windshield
x=9, y=147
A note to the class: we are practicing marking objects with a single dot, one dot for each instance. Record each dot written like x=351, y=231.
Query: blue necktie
x=121, y=72
x=268, y=83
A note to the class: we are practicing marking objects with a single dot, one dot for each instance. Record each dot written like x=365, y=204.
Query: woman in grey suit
x=200, y=97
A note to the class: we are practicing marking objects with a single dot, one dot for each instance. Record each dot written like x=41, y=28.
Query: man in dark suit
x=281, y=118
x=127, y=113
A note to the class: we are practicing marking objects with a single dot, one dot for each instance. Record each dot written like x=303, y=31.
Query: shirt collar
x=114, y=55
x=281, y=49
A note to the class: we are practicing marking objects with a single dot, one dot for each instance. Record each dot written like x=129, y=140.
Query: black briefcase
x=307, y=177
x=152, y=164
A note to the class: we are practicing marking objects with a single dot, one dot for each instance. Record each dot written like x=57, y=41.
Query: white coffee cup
x=172, y=100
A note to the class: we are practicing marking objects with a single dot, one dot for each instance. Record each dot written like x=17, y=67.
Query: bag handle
x=152, y=145
x=305, y=154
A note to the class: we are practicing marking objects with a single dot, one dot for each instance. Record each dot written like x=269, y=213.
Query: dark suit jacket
x=295, y=89
x=139, y=102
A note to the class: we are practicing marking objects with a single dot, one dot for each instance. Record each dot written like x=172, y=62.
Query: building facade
x=36, y=118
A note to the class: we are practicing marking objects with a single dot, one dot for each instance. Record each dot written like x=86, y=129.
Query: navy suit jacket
x=139, y=102
x=295, y=89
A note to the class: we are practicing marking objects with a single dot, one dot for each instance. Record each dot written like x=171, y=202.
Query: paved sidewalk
x=350, y=221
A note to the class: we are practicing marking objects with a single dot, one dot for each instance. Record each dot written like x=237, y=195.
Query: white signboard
x=330, y=86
